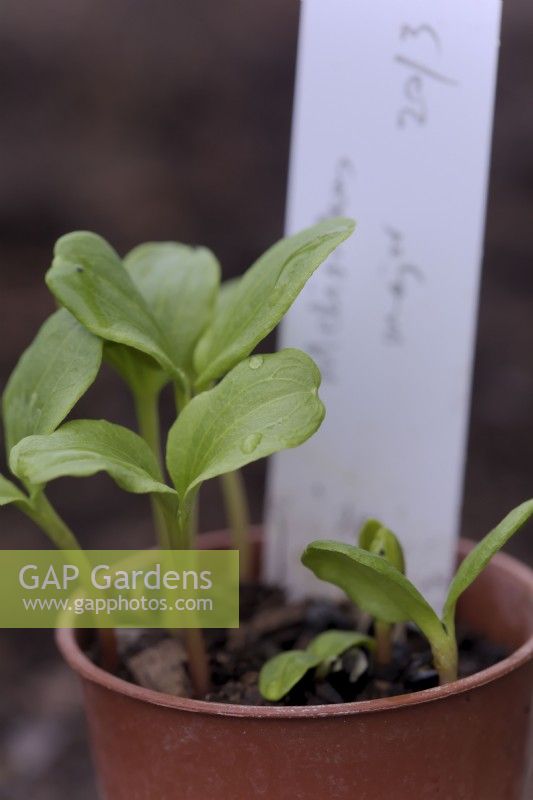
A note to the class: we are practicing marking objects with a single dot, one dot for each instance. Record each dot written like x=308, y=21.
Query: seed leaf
x=9, y=493
x=262, y=296
x=265, y=404
x=179, y=285
x=367, y=533
x=372, y=584
x=89, y=279
x=279, y=675
x=381, y=541
x=51, y=376
x=330, y=645
x=85, y=447
x=478, y=558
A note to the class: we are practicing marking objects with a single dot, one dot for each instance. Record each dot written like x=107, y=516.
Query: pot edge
x=86, y=669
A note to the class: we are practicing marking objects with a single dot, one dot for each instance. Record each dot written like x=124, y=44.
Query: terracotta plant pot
x=464, y=741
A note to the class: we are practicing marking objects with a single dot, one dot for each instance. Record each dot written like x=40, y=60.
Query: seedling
x=372, y=575
x=160, y=317
x=284, y=671
x=380, y=588
x=379, y=540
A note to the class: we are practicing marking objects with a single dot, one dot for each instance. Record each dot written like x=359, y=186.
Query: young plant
x=160, y=318
x=284, y=671
x=164, y=320
x=377, y=539
x=381, y=589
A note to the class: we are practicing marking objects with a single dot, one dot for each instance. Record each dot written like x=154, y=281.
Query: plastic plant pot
x=467, y=740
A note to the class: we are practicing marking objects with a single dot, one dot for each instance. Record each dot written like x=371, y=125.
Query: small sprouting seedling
x=160, y=317
x=381, y=589
x=281, y=674
x=379, y=540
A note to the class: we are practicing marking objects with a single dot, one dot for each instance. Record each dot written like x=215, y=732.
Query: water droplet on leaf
x=251, y=442
x=255, y=362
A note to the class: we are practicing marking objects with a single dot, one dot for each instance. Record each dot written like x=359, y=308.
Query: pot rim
x=85, y=668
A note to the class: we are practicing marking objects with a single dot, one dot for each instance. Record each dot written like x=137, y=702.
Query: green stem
x=192, y=528
x=198, y=660
x=185, y=533
x=160, y=522
x=181, y=397
x=183, y=536
x=45, y=516
x=147, y=412
x=445, y=657
x=239, y=519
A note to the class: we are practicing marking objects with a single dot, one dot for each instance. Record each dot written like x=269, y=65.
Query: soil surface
x=269, y=625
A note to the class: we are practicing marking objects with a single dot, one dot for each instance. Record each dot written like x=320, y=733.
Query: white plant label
x=392, y=126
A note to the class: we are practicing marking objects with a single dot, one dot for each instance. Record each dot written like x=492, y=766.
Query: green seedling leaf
x=180, y=286
x=52, y=375
x=9, y=493
x=368, y=531
x=279, y=675
x=328, y=646
x=89, y=279
x=265, y=404
x=372, y=584
x=85, y=447
x=226, y=294
x=142, y=374
x=478, y=558
x=262, y=296
x=381, y=541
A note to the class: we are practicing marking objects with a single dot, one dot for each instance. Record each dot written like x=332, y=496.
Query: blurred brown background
x=171, y=120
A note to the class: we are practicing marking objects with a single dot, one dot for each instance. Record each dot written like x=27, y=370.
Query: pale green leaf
x=373, y=584
x=478, y=558
x=330, y=645
x=85, y=447
x=279, y=675
x=89, y=279
x=180, y=285
x=51, y=376
x=9, y=493
x=226, y=294
x=262, y=296
x=265, y=404
x=282, y=672
x=226, y=297
x=381, y=541
x=367, y=532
